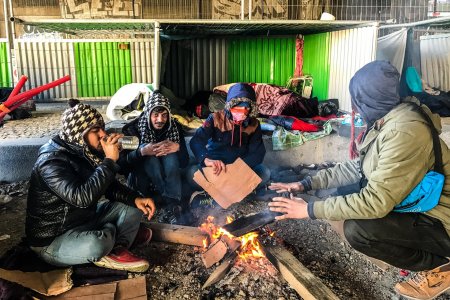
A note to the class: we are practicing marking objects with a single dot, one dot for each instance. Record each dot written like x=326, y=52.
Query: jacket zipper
x=66, y=209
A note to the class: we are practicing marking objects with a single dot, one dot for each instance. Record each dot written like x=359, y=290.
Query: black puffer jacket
x=65, y=189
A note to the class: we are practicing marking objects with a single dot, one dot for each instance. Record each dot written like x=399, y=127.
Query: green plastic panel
x=5, y=75
x=261, y=60
x=316, y=62
x=101, y=68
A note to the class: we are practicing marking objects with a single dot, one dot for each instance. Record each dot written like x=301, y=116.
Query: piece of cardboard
x=128, y=289
x=231, y=186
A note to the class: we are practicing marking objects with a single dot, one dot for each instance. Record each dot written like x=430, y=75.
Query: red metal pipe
x=15, y=101
x=18, y=86
x=33, y=92
x=16, y=105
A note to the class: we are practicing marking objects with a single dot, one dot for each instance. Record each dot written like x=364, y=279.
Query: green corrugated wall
x=261, y=60
x=5, y=75
x=316, y=62
x=101, y=68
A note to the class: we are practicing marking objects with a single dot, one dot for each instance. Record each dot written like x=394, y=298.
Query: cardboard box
x=128, y=289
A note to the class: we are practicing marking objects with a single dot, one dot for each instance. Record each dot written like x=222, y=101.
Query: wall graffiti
x=261, y=9
x=86, y=9
x=33, y=32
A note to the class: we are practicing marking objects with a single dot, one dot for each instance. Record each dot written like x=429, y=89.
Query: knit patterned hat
x=76, y=121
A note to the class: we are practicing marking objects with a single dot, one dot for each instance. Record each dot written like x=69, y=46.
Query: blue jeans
x=261, y=170
x=163, y=172
x=115, y=223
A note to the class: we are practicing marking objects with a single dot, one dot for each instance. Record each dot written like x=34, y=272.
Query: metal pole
x=435, y=21
x=8, y=36
x=156, y=59
x=242, y=9
x=11, y=12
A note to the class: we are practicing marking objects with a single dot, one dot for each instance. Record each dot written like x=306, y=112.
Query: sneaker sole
x=110, y=264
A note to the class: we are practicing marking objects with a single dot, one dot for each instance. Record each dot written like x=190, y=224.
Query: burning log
x=218, y=249
x=178, y=234
x=221, y=271
x=298, y=276
x=214, y=253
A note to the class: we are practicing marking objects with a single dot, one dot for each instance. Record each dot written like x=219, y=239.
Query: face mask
x=239, y=113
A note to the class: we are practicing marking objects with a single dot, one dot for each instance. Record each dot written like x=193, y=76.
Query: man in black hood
x=66, y=221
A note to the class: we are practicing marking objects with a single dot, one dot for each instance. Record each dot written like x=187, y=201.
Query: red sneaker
x=143, y=236
x=122, y=259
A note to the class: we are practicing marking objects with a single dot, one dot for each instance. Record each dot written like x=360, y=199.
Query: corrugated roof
x=197, y=28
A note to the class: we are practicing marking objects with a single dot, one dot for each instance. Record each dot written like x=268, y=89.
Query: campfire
x=245, y=244
x=249, y=244
x=221, y=245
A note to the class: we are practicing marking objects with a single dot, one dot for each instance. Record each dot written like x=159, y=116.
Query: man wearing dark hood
x=66, y=221
x=228, y=134
x=161, y=156
x=395, y=153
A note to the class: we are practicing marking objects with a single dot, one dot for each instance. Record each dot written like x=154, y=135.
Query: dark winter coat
x=64, y=191
x=213, y=140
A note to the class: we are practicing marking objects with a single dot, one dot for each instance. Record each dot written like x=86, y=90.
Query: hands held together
x=160, y=149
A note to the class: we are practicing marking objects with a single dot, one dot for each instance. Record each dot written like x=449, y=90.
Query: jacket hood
x=239, y=93
x=56, y=144
x=375, y=90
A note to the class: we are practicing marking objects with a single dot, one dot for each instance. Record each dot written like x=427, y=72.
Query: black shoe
x=201, y=200
x=170, y=214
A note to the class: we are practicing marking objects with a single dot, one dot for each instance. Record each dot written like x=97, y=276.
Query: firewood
x=221, y=270
x=298, y=276
x=177, y=234
x=214, y=253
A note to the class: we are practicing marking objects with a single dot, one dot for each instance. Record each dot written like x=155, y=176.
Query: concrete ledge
x=18, y=157
x=328, y=148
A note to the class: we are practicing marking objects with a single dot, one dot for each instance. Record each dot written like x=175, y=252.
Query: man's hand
x=148, y=149
x=294, y=208
x=146, y=205
x=110, y=146
x=166, y=147
x=217, y=165
x=291, y=187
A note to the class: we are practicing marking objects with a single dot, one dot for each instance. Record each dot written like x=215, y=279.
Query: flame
x=250, y=246
x=205, y=243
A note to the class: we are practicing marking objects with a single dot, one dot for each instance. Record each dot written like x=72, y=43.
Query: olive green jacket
x=396, y=154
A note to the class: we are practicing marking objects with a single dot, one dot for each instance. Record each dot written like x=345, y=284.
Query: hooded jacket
x=395, y=154
x=66, y=184
x=220, y=138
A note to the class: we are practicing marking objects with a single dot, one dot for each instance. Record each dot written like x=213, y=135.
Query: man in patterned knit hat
x=66, y=223
x=157, y=164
